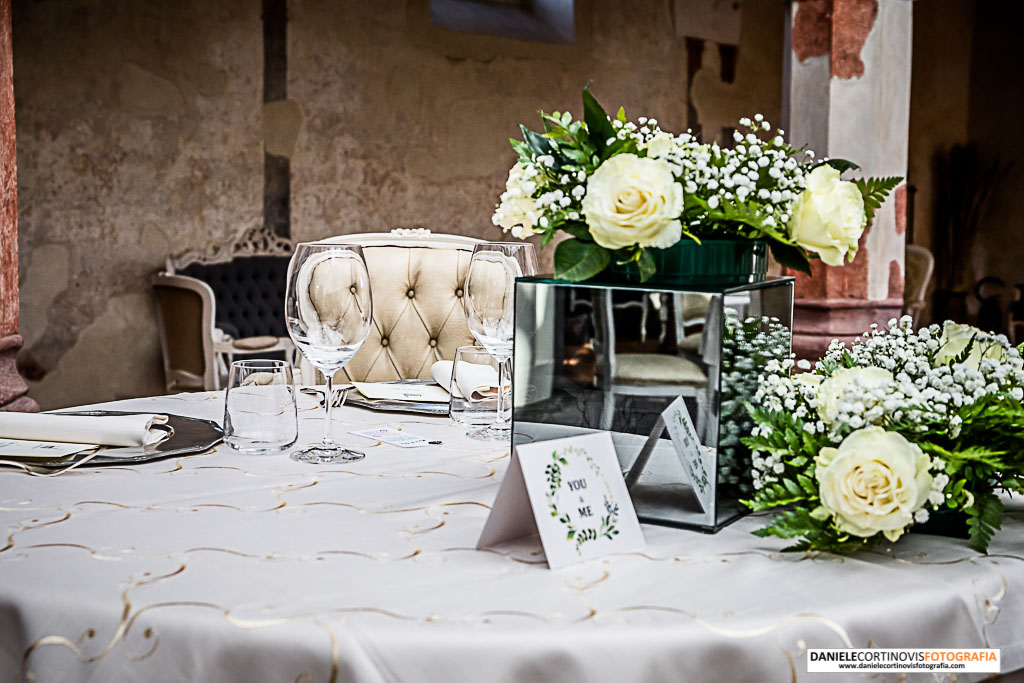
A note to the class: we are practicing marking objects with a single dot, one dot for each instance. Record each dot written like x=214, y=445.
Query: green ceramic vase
x=712, y=262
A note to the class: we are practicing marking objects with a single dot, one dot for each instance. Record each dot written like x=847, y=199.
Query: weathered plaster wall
x=405, y=124
x=138, y=135
x=142, y=129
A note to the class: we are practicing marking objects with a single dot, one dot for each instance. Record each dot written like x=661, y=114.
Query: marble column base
x=12, y=386
x=816, y=322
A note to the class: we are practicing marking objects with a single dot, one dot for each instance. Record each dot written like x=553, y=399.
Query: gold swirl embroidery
x=31, y=526
x=119, y=633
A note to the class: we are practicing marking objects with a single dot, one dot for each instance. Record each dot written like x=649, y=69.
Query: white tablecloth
x=224, y=567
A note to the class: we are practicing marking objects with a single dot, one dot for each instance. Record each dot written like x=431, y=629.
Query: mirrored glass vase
x=628, y=359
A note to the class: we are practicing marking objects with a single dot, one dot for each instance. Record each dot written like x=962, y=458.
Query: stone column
x=846, y=93
x=12, y=387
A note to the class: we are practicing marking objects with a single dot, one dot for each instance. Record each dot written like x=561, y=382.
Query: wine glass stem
x=504, y=416
x=328, y=441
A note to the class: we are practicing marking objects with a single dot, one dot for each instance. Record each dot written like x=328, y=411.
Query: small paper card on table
x=571, y=492
x=396, y=391
x=698, y=461
x=18, y=449
x=394, y=436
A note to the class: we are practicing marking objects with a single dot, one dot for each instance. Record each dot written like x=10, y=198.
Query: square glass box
x=611, y=357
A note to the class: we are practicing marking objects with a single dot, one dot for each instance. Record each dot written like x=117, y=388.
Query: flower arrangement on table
x=621, y=189
x=901, y=426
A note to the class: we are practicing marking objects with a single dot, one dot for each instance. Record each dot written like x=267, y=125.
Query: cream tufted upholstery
x=416, y=280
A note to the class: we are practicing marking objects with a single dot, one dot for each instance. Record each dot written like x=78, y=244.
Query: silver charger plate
x=188, y=435
x=386, y=405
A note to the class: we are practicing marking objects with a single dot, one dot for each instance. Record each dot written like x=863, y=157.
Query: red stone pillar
x=12, y=387
x=847, y=95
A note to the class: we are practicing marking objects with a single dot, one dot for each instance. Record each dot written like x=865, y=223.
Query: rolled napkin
x=103, y=430
x=478, y=382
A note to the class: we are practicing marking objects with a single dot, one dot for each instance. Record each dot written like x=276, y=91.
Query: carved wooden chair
x=214, y=306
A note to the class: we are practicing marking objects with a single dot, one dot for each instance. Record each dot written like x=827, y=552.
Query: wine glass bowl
x=328, y=313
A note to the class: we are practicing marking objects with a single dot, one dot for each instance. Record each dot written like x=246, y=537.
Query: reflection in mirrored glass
x=604, y=358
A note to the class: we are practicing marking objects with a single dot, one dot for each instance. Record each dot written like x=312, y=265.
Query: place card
x=398, y=391
x=394, y=436
x=570, y=492
x=16, y=449
x=697, y=460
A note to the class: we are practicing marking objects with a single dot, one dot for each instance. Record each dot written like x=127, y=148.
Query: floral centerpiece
x=901, y=426
x=622, y=189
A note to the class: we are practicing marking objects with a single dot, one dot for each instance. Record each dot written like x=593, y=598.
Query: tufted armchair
x=416, y=278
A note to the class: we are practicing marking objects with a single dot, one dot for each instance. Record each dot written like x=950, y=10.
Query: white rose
x=831, y=389
x=956, y=337
x=518, y=211
x=875, y=481
x=828, y=216
x=633, y=201
x=660, y=145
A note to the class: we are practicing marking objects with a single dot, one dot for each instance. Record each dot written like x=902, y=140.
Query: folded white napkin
x=103, y=430
x=479, y=382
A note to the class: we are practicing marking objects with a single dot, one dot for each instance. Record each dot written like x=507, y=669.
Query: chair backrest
x=918, y=266
x=249, y=291
x=185, y=314
x=416, y=278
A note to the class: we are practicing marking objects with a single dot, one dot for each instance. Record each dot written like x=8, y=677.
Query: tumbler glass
x=474, y=372
x=260, y=415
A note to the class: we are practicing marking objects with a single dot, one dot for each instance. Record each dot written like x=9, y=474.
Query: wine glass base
x=321, y=455
x=491, y=433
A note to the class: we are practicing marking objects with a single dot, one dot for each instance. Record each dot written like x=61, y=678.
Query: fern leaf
x=874, y=191
x=984, y=518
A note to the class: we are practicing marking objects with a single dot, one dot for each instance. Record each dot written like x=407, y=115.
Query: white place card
x=698, y=461
x=17, y=449
x=428, y=393
x=571, y=492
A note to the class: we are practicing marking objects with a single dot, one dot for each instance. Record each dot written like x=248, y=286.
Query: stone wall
x=138, y=135
x=141, y=131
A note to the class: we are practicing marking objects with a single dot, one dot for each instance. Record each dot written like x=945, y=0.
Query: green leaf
x=537, y=143
x=576, y=260
x=598, y=125
x=984, y=518
x=841, y=165
x=577, y=155
x=646, y=265
x=874, y=191
x=521, y=148
x=790, y=256
x=578, y=230
x=621, y=116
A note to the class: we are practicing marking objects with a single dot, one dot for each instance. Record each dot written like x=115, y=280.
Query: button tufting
x=458, y=292
x=433, y=343
x=383, y=341
x=352, y=289
x=410, y=293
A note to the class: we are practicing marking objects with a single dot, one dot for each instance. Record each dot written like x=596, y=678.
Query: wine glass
x=489, y=298
x=328, y=310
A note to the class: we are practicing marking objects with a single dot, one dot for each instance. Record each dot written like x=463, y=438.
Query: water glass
x=260, y=415
x=475, y=371
x=490, y=293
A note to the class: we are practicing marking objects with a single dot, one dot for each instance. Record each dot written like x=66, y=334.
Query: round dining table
x=222, y=566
